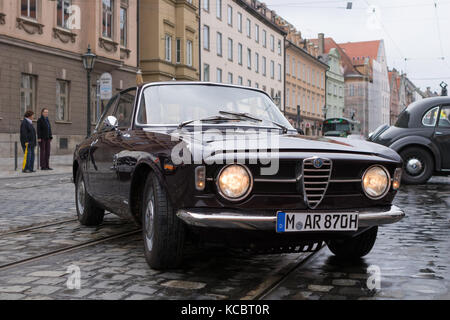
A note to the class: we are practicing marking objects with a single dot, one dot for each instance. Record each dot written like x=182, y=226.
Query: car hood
x=221, y=143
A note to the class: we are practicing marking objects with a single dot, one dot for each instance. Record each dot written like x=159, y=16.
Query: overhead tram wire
x=439, y=30
x=402, y=56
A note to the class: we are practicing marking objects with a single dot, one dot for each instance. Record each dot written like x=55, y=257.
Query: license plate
x=303, y=222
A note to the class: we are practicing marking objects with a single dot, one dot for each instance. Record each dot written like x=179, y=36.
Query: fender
x=150, y=161
x=420, y=141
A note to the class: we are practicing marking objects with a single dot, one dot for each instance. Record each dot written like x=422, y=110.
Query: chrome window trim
x=154, y=84
x=435, y=120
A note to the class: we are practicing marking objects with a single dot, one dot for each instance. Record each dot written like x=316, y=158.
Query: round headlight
x=234, y=182
x=376, y=182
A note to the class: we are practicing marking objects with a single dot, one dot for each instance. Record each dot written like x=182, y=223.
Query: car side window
x=124, y=109
x=444, y=117
x=430, y=117
x=109, y=109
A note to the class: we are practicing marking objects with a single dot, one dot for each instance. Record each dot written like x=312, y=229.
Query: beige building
x=241, y=44
x=169, y=42
x=41, y=44
x=305, y=82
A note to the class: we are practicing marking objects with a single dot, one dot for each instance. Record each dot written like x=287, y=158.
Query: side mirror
x=111, y=123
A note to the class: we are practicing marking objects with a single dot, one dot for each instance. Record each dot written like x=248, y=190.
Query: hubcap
x=81, y=192
x=414, y=166
x=148, y=223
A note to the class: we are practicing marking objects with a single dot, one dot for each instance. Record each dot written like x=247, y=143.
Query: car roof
x=417, y=109
x=174, y=82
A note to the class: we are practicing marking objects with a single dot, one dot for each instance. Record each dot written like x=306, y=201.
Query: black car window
x=403, y=119
x=444, y=118
x=124, y=108
x=109, y=109
x=430, y=117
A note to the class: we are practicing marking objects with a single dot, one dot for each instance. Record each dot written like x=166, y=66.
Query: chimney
x=321, y=43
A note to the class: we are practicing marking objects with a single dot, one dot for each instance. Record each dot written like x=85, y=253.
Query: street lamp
x=88, y=63
x=277, y=100
x=324, y=111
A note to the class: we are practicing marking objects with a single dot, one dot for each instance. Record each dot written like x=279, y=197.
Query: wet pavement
x=34, y=200
x=410, y=259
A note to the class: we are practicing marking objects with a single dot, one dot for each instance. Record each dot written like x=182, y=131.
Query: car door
x=102, y=176
x=442, y=136
x=124, y=159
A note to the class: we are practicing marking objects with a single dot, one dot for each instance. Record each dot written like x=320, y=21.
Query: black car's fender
x=421, y=141
x=144, y=166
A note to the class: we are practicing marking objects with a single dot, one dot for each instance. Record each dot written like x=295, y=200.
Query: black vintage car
x=421, y=136
x=215, y=162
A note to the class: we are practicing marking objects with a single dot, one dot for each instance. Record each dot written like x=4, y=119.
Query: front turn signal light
x=200, y=178
x=397, y=178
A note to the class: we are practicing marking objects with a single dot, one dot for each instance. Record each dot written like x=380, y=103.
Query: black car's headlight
x=376, y=182
x=234, y=182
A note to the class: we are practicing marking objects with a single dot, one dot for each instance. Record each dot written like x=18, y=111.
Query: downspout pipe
x=200, y=40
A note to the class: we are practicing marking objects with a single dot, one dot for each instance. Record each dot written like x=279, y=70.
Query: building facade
x=335, y=102
x=169, y=40
x=41, y=44
x=351, y=81
x=370, y=57
x=395, y=107
x=305, y=82
x=335, y=83
x=242, y=44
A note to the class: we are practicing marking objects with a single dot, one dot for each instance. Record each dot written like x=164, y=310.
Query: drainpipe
x=138, y=35
x=284, y=75
x=199, y=40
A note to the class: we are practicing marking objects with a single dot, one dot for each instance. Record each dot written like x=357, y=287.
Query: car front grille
x=316, y=177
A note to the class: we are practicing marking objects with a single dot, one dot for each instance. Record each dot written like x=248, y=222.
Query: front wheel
x=89, y=214
x=417, y=165
x=163, y=231
x=356, y=247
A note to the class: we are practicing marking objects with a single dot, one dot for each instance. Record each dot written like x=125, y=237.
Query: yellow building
x=169, y=40
x=305, y=82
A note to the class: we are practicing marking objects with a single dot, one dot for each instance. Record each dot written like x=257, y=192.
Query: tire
x=356, y=247
x=425, y=165
x=163, y=232
x=89, y=214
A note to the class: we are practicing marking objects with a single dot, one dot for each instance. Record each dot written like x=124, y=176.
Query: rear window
x=403, y=119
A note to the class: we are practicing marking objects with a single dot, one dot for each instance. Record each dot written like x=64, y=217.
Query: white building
x=241, y=44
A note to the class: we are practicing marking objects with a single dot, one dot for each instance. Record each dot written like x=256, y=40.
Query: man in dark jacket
x=28, y=141
x=44, y=133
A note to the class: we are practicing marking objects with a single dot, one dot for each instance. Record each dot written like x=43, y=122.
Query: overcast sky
x=411, y=29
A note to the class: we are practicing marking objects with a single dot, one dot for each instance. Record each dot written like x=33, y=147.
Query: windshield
x=336, y=127
x=175, y=104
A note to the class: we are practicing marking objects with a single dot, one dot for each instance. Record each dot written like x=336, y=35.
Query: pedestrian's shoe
x=43, y=169
x=27, y=171
x=49, y=169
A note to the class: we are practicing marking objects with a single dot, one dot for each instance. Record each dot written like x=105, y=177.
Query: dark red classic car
x=221, y=163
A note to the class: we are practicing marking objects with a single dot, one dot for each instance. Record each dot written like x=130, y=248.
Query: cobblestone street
x=412, y=255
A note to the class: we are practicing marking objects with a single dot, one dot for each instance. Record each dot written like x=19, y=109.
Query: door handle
x=438, y=133
x=94, y=142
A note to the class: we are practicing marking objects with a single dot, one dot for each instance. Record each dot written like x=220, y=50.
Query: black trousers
x=44, y=158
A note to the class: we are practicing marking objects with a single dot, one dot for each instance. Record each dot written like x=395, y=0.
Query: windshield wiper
x=247, y=116
x=240, y=115
x=285, y=130
x=213, y=118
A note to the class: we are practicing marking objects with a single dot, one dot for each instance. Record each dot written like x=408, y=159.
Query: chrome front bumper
x=224, y=219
